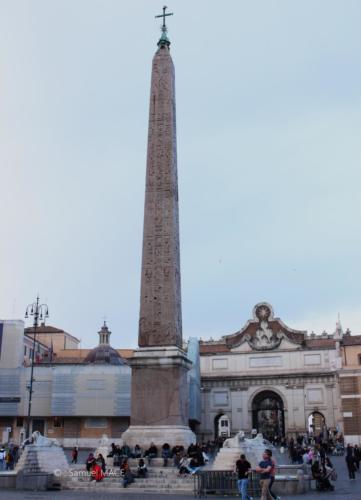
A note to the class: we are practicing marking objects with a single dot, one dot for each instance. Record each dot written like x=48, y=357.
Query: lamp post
x=38, y=311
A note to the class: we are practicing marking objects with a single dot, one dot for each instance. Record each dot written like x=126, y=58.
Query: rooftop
x=44, y=329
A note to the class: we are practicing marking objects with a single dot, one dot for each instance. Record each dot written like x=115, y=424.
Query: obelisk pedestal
x=159, y=411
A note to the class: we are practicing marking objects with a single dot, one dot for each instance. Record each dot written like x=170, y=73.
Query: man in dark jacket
x=243, y=468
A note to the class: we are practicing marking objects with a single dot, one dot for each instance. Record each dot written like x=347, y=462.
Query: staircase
x=159, y=480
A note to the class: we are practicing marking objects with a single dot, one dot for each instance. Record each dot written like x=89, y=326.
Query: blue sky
x=269, y=153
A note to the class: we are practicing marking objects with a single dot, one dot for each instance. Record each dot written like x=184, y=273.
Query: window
x=19, y=422
x=25, y=350
x=312, y=359
x=359, y=359
x=58, y=422
x=96, y=423
x=315, y=395
x=265, y=361
x=220, y=364
x=220, y=398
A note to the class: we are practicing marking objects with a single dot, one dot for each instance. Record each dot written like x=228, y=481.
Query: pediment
x=264, y=332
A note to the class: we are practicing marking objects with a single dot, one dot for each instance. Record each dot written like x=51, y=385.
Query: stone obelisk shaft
x=160, y=367
x=160, y=321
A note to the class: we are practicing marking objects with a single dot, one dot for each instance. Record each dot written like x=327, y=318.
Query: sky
x=269, y=155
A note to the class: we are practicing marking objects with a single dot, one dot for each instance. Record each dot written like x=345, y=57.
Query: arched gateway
x=268, y=414
x=316, y=423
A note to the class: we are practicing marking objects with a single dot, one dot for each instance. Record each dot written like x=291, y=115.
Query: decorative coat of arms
x=264, y=339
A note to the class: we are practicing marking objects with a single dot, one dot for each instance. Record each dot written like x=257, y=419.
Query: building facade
x=55, y=339
x=76, y=399
x=78, y=394
x=270, y=378
x=350, y=387
x=266, y=377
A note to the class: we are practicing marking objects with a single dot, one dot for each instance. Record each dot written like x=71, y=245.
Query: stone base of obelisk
x=160, y=396
x=171, y=434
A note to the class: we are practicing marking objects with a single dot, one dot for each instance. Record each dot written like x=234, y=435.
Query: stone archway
x=268, y=414
x=316, y=423
x=216, y=421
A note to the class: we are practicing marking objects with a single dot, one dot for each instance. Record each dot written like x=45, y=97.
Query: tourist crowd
x=187, y=461
x=314, y=453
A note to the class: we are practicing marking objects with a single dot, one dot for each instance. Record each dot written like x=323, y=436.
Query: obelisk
x=159, y=409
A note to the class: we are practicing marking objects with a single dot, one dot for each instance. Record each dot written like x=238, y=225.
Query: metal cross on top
x=164, y=15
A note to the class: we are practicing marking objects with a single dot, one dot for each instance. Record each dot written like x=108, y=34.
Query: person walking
x=273, y=475
x=9, y=459
x=2, y=458
x=243, y=469
x=350, y=461
x=264, y=468
x=357, y=456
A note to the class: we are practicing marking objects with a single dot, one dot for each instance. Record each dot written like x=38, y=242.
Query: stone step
x=133, y=462
x=121, y=490
x=136, y=486
x=139, y=481
x=158, y=483
x=143, y=481
x=91, y=486
x=118, y=476
x=162, y=483
x=105, y=486
x=169, y=473
x=159, y=480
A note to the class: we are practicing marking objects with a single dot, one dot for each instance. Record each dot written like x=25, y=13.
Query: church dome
x=104, y=354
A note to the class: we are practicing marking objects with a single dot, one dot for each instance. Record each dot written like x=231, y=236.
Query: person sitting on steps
x=89, y=462
x=96, y=473
x=126, y=473
x=152, y=452
x=137, y=452
x=184, y=465
x=101, y=462
x=142, y=468
x=166, y=454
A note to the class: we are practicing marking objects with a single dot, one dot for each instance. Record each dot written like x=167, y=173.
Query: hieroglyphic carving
x=160, y=309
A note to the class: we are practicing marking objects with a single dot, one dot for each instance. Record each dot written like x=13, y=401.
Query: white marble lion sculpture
x=38, y=440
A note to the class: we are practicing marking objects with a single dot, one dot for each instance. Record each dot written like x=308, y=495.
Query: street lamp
x=39, y=311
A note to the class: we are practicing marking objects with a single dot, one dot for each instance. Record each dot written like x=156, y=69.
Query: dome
x=104, y=354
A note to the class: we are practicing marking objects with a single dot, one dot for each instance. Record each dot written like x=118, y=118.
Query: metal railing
x=223, y=483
